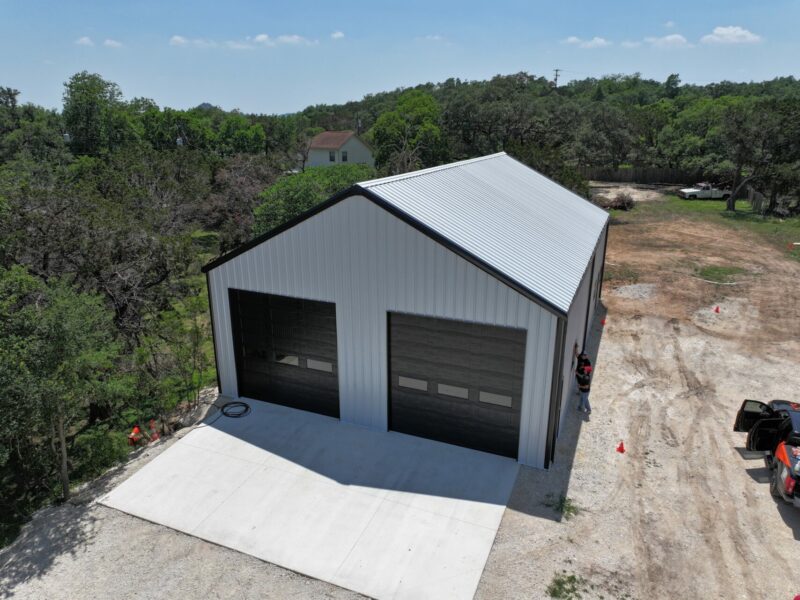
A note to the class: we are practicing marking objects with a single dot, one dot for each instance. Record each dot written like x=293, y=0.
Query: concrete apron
x=384, y=514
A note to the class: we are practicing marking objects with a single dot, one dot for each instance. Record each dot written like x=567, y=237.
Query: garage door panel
x=455, y=358
x=274, y=339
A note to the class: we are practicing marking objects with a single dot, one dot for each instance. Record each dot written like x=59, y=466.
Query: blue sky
x=276, y=57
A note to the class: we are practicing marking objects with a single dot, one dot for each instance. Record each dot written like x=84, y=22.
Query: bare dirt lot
x=638, y=191
x=683, y=513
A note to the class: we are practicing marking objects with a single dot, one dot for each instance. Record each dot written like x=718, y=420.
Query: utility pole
x=555, y=78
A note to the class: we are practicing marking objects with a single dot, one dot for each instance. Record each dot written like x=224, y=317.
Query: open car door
x=765, y=434
x=750, y=412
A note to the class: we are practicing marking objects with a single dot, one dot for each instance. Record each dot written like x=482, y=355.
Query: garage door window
x=287, y=359
x=496, y=399
x=319, y=365
x=414, y=384
x=452, y=390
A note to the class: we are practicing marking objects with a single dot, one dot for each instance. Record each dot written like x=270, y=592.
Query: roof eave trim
x=357, y=190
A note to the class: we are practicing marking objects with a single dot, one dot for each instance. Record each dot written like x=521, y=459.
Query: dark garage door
x=285, y=350
x=456, y=382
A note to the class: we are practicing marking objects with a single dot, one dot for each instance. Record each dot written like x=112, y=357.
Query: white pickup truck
x=704, y=191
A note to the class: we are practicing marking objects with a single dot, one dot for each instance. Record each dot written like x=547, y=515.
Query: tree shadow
x=54, y=531
x=537, y=491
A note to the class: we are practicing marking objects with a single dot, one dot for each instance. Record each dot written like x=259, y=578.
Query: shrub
x=566, y=586
x=97, y=449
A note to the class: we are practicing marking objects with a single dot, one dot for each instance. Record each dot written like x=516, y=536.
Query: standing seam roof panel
x=534, y=231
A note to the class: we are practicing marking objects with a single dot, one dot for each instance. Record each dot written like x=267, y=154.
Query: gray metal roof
x=522, y=224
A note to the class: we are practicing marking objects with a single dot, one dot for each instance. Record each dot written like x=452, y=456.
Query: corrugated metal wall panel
x=369, y=263
x=523, y=224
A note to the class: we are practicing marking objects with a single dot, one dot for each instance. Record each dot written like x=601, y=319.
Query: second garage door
x=456, y=382
x=285, y=350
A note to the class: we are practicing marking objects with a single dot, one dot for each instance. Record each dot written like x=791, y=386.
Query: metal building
x=443, y=303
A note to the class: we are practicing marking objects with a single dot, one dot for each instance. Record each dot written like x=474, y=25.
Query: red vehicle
x=774, y=428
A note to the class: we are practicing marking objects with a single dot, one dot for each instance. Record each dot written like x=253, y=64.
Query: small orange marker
x=716, y=309
x=621, y=447
x=603, y=322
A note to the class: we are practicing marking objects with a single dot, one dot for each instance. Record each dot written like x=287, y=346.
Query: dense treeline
x=109, y=207
x=731, y=131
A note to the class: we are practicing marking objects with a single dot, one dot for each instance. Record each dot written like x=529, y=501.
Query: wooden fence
x=642, y=175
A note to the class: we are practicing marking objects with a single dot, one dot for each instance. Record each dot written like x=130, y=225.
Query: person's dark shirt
x=583, y=361
x=584, y=380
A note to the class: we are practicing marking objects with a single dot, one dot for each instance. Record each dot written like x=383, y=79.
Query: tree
x=234, y=196
x=94, y=114
x=9, y=115
x=237, y=135
x=409, y=136
x=672, y=86
x=294, y=194
x=58, y=352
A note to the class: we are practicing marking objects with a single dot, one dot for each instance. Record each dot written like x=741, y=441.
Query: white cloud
x=109, y=43
x=288, y=40
x=673, y=40
x=669, y=24
x=84, y=41
x=434, y=38
x=629, y=44
x=732, y=34
x=179, y=40
x=337, y=35
x=234, y=45
x=595, y=42
x=248, y=43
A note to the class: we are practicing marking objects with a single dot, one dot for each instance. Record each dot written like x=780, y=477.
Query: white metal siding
x=369, y=262
x=534, y=231
x=597, y=281
x=577, y=323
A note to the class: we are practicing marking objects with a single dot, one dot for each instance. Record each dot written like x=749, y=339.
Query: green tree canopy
x=294, y=194
x=409, y=136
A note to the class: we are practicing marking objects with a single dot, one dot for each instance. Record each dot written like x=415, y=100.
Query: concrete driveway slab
x=384, y=514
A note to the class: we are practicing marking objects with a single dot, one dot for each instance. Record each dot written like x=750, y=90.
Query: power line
x=555, y=78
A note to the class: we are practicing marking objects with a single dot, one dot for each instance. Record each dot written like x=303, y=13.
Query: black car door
x=765, y=434
x=750, y=412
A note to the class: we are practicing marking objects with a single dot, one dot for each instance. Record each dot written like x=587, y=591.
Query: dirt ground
x=639, y=191
x=683, y=513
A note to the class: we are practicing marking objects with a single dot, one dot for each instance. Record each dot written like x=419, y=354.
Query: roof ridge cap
x=412, y=174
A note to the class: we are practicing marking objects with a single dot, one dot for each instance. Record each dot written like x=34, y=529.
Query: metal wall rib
x=523, y=224
x=369, y=263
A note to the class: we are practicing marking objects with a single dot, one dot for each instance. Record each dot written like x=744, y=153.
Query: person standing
x=583, y=361
x=584, y=378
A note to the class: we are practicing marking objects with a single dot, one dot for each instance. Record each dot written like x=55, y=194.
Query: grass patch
x=563, y=505
x=620, y=274
x=779, y=232
x=719, y=274
x=566, y=586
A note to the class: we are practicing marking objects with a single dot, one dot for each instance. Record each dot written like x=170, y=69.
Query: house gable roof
x=330, y=140
x=514, y=223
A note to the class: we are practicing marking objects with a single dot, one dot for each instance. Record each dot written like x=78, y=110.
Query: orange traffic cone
x=716, y=309
x=621, y=447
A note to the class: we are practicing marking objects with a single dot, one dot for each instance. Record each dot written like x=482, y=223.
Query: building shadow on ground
x=537, y=492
